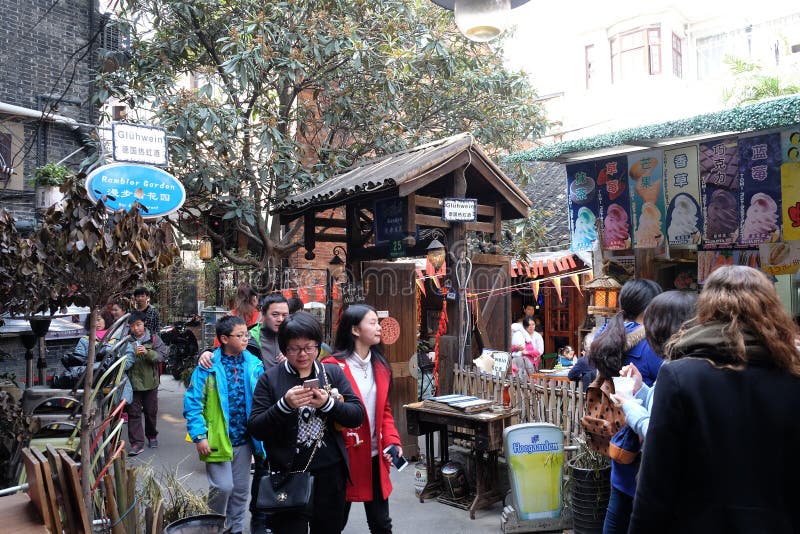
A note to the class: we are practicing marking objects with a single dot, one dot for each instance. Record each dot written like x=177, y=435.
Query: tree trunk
x=86, y=418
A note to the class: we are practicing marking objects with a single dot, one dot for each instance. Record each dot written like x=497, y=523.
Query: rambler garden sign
x=119, y=185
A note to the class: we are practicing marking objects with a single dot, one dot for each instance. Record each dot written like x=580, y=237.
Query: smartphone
x=311, y=383
x=398, y=461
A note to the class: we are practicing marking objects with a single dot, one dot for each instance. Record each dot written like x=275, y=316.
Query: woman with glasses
x=358, y=353
x=297, y=425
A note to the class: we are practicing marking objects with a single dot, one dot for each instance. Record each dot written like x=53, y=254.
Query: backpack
x=602, y=419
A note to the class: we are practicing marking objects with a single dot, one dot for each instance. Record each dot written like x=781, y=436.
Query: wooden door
x=564, y=317
x=489, y=283
x=391, y=287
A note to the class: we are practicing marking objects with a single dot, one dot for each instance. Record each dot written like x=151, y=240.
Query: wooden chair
x=72, y=476
x=36, y=488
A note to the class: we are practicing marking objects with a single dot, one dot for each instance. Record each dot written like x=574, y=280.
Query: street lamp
x=436, y=253
x=206, y=249
x=481, y=20
x=337, y=265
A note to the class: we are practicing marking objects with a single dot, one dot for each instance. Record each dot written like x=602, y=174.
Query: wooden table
x=553, y=378
x=488, y=437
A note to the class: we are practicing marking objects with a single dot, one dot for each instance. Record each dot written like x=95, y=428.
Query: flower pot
x=590, y=493
x=46, y=196
x=197, y=524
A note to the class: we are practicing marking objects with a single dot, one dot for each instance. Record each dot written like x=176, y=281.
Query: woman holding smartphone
x=370, y=445
x=296, y=414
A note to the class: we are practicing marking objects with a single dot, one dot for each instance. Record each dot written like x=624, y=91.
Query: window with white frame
x=677, y=56
x=636, y=54
x=590, y=64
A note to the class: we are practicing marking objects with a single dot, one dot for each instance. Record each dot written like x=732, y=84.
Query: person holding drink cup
x=622, y=342
x=663, y=317
x=720, y=447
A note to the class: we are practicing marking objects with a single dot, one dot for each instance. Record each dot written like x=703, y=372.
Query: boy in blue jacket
x=216, y=407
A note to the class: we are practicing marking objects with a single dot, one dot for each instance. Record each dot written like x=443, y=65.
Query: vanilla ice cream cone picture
x=683, y=226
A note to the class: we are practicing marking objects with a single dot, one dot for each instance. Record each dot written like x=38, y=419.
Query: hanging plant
x=50, y=175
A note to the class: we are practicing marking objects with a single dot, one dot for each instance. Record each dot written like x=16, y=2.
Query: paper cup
x=623, y=385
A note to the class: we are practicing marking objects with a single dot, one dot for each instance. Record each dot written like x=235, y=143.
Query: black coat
x=274, y=423
x=721, y=452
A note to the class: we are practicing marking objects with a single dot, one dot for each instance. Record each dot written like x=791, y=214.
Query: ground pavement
x=409, y=516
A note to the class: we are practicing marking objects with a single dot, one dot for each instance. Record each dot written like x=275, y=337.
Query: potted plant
x=590, y=485
x=48, y=180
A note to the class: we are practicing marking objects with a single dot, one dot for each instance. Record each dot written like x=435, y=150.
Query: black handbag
x=285, y=492
x=292, y=491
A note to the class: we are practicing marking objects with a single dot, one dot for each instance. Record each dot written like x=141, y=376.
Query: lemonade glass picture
x=535, y=453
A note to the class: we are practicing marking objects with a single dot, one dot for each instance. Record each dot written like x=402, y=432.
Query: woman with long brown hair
x=720, y=452
x=622, y=342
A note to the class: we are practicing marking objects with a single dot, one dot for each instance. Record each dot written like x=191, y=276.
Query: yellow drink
x=537, y=481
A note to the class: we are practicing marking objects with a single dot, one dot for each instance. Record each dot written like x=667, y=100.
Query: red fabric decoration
x=442, y=331
x=335, y=292
x=319, y=293
x=302, y=294
x=287, y=294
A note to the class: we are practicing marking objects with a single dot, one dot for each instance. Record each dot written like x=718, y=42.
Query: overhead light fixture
x=436, y=254
x=481, y=20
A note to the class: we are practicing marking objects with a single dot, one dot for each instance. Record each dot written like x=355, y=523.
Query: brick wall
x=40, y=52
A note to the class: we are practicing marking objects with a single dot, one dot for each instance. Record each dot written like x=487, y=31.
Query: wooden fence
x=542, y=400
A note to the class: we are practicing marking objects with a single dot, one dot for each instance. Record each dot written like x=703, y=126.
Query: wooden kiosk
x=392, y=205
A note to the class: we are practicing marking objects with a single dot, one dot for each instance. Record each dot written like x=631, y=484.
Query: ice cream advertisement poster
x=790, y=146
x=709, y=260
x=780, y=258
x=583, y=205
x=535, y=454
x=790, y=208
x=682, y=196
x=760, y=172
x=615, y=206
x=645, y=170
x=719, y=185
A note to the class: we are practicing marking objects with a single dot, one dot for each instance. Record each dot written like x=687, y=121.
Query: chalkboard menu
x=390, y=220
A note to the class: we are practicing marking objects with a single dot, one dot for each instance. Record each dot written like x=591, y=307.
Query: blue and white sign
x=119, y=185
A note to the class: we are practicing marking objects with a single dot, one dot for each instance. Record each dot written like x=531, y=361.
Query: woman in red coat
x=357, y=344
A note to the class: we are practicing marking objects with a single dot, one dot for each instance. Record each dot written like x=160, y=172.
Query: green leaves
x=81, y=253
x=287, y=94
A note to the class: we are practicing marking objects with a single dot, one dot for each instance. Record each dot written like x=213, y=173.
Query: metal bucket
x=420, y=477
x=197, y=524
x=455, y=483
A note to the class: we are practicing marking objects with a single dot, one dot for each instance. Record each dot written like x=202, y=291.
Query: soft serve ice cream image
x=683, y=228
x=648, y=230
x=722, y=217
x=760, y=223
x=616, y=230
x=584, y=234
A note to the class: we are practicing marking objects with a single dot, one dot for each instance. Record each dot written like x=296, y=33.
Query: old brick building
x=48, y=54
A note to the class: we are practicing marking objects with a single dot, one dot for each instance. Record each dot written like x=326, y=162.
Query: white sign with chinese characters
x=460, y=209
x=136, y=143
